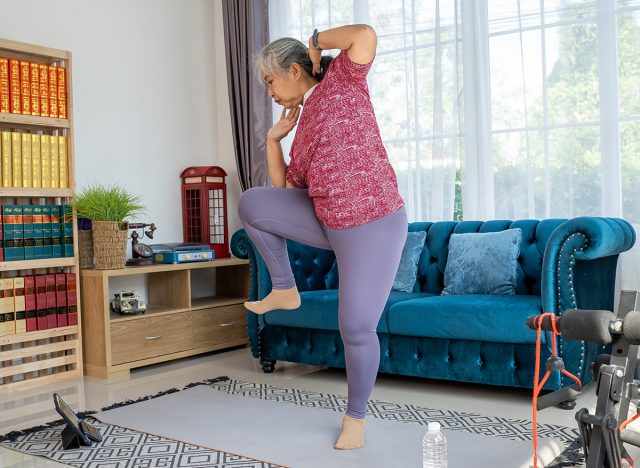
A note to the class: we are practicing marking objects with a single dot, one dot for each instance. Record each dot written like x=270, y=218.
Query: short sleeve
x=293, y=176
x=348, y=70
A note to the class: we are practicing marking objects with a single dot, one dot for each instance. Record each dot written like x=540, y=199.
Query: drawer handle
x=153, y=337
x=227, y=324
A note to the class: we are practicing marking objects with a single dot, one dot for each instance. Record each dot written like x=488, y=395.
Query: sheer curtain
x=414, y=83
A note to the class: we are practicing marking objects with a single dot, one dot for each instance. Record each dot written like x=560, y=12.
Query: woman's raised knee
x=247, y=202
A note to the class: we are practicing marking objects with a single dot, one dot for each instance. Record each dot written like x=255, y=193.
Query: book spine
x=62, y=162
x=34, y=71
x=41, y=302
x=16, y=156
x=27, y=222
x=18, y=231
x=18, y=294
x=54, y=165
x=72, y=299
x=38, y=234
x=27, y=178
x=53, y=91
x=8, y=232
x=9, y=306
x=5, y=102
x=67, y=230
x=44, y=90
x=62, y=92
x=25, y=87
x=52, y=313
x=61, y=299
x=1, y=239
x=7, y=171
x=56, y=243
x=46, y=231
x=45, y=160
x=35, y=160
x=14, y=86
x=30, y=303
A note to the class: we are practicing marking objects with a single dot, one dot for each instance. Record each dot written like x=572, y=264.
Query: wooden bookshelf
x=45, y=356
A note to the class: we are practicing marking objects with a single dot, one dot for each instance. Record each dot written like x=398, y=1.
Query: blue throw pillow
x=483, y=263
x=408, y=268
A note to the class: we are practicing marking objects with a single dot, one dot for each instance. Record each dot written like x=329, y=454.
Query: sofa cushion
x=319, y=309
x=408, y=267
x=483, y=263
x=478, y=317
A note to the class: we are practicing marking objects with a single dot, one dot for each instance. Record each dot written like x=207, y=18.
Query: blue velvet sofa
x=563, y=264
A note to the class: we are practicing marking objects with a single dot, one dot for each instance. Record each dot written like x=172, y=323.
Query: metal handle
x=153, y=337
x=226, y=324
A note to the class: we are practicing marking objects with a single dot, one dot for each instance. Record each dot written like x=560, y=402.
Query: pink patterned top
x=337, y=151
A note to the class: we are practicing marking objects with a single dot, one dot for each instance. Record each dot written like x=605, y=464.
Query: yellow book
x=36, y=169
x=7, y=172
x=45, y=161
x=2, y=327
x=64, y=172
x=55, y=163
x=16, y=154
x=26, y=160
x=9, y=306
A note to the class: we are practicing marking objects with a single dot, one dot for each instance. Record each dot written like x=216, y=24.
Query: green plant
x=107, y=203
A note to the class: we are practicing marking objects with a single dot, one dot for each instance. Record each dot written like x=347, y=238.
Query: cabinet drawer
x=226, y=324
x=133, y=340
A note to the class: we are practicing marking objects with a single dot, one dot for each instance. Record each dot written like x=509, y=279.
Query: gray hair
x=277, y=57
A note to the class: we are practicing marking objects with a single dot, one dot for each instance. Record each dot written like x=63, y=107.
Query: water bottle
x=434, y=447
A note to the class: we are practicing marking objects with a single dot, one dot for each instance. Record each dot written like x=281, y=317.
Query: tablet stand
x=70, y=438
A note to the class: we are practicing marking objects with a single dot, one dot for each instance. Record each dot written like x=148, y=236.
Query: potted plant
x=109, y=207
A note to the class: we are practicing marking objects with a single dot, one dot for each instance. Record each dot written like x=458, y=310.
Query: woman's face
x=285, y=89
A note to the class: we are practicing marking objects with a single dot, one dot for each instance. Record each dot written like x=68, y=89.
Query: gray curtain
x=246, y=31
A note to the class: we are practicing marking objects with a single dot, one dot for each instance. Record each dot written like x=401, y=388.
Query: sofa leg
x=268, y=365
x=567, y=405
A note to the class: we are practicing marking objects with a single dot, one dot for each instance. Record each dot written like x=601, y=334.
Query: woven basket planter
x=85, y=248
x=109, y=244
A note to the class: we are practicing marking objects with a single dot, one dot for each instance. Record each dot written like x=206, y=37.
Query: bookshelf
x=177, y=323
x=54, y=354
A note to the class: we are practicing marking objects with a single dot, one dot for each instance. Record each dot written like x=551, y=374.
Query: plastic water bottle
x=434, y=447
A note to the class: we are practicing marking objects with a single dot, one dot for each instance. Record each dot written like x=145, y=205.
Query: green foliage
x=107, y=203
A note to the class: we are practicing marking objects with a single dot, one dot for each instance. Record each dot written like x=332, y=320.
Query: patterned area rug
x=127, y=448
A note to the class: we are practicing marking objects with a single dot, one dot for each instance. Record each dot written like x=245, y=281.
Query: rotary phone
x=142, y=253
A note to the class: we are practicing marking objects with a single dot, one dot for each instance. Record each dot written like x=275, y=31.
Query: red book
x=14, y=85
x=34, y=70
x=52, y=320
x=72, y=299
x=4, y=85
x=44, y=89
x=61, y=299
x=62, y=92
x=41, y=301
x=25, y=87
x=30, y=303
x=53, y=91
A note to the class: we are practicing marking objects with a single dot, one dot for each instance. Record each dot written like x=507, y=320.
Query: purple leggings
x=368, y=257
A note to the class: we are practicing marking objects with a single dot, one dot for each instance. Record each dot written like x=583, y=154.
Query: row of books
x=40, y=302
x=30, y=232
x=34, y=160
x=31, y=88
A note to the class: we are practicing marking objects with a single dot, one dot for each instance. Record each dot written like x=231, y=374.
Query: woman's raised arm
x=359, y=40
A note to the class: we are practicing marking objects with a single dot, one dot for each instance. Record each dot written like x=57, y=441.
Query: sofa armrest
x=579, y=271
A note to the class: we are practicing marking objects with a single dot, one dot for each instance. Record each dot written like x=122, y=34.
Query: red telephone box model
x=204, y=208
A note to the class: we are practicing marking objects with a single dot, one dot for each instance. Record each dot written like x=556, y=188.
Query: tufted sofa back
x=433, y=259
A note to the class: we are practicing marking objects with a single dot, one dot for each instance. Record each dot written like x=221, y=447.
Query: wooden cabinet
x=44, y=356
x=176, y=323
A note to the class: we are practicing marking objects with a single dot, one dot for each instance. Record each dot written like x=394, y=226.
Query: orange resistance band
x=537, y=387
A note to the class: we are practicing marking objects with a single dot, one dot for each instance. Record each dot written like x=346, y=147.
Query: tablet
x=70, y=417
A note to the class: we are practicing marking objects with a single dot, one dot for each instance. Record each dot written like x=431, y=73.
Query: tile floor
x=32, y=407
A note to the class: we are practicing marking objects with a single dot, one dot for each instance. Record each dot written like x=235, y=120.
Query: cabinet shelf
x=23, y=192
x=34, y=120
x=34, y=264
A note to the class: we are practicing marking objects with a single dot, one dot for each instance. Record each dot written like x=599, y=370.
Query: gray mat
x=298, y=436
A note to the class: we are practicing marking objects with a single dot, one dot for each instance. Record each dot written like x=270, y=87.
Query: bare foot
x=287, y=299
x=352, y=436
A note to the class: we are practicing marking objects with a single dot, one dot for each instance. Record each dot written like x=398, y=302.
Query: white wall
x=149, y=92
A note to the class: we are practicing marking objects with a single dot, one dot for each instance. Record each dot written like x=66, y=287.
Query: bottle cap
x=433, y=427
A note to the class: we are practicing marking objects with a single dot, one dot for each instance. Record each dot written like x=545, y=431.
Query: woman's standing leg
x=269, y=215
x=368, y=257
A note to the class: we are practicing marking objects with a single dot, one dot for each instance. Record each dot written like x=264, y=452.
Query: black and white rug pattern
x=124, y=448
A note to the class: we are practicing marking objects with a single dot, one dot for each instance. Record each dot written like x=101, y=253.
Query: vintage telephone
x=142, y=253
